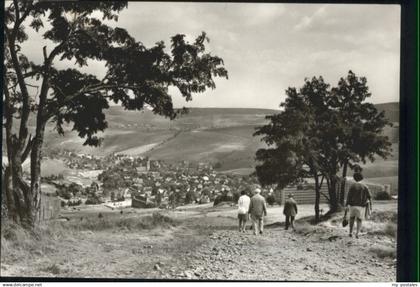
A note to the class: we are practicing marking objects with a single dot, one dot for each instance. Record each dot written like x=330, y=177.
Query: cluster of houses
x=152, y=183
x=156, y=183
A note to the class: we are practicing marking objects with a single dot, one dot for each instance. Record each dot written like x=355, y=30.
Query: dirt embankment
x=205, y=244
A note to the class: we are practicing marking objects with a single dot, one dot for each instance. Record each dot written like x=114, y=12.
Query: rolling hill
x=217, y=135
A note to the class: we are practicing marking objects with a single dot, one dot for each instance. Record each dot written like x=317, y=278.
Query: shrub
x=189, y=197
x=271, y=200
x=64, y=193
x=382, y=195
x=217, y=200
x=236, y=196
x=75, y=188
x=222, y=198
x=93, y=200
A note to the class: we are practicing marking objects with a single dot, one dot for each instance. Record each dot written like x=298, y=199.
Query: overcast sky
x=268, y=47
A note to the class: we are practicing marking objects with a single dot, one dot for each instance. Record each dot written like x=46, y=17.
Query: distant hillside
x=392, y=110
x=135, y=132
x=218, y=135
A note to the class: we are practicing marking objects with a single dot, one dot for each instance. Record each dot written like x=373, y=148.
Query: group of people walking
x=256, y=208
x=358, y=203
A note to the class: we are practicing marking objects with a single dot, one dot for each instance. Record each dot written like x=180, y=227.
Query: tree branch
x=325, y=196
x=8, y=116
x=19, y=20
x=95, y=88
x=322, y=180
x=23, y=129
x=27, y=149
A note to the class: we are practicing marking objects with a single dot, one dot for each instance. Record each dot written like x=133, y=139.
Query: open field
x=201, y=242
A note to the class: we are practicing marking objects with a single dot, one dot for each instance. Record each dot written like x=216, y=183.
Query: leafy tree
x=361, y=125
x=319, y=131
x=135, y=76
x=295, y=139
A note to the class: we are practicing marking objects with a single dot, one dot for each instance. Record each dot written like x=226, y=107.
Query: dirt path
x=207, y=245
x=285, y=255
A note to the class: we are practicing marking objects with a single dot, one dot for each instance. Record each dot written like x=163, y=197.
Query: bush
x=271, y=200
x=189, y=197
x=64, y=193
x=120, y=197
x=236, y=196
x=382, y=195
x=75, y=188
x=222, y=198
x=94, y=200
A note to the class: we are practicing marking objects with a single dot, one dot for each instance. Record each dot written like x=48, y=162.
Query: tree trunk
x=10, y=146
x=343, y=184
x=317, y=198
x=21, y=192
x=36, y=157
x=36, y=152
x=9, y=200
x=332, y=191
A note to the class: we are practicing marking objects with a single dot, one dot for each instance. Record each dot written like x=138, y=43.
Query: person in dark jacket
x=358, y=198
x=290, y=210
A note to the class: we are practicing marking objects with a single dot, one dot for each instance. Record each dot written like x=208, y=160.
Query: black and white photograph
x=200, y=141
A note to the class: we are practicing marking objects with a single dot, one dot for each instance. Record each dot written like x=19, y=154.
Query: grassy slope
x=231, y=146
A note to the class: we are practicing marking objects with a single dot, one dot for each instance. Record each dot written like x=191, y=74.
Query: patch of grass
x=123, y=223
x=305, y=228
x=384, y=251
x=384, y=216
x=390, y=229
x=19, y=245
x=53, y=269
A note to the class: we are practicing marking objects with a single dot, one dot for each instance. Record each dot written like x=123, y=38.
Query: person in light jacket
x=243, y=207
x=257, y=210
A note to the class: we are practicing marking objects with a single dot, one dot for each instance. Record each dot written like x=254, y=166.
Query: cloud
x=268, y=47
x=261, y=13
x=307, y=21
